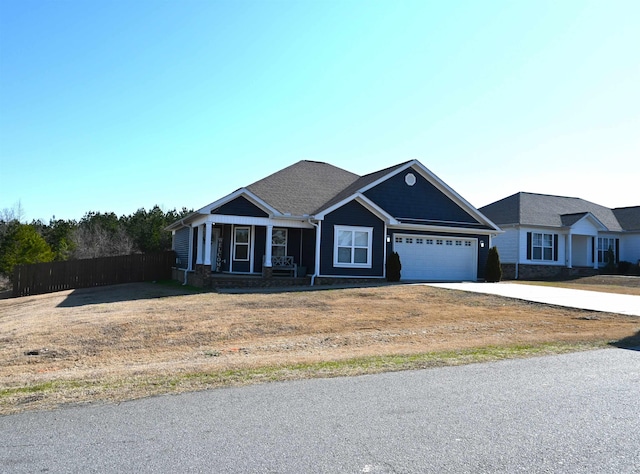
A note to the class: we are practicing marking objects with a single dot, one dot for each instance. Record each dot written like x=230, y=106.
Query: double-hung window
x=541, y=246
x=241, y=243
x=352, y=246
x=604, y=244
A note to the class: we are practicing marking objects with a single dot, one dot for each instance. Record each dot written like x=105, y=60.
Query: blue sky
x=118, y=105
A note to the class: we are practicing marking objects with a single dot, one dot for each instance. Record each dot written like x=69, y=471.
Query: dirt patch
x=135, y=331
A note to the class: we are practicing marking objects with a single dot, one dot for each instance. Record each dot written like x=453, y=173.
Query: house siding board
x=240, y=206
x=422, y=201
x=294, y=245
x=352, y=214
x=525, y=247
x=507, y=244
x=259, y=247
x=309, y=249
x=181, y=246
x=584, y=227
x=630, y=248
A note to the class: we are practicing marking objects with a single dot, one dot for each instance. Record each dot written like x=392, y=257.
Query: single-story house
x=547, y=236
x=317, y=219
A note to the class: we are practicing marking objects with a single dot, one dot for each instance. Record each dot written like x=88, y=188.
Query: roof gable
x=419, y=203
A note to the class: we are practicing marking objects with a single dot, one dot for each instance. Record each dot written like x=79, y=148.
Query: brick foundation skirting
x=543, y=272
x=202, y=277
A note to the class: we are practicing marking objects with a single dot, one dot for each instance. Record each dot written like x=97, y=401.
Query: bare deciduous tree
x=95, y=241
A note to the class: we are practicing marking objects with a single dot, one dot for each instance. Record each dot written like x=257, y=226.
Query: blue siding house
x=319, y=220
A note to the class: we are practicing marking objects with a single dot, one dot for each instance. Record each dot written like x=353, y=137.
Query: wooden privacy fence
x=56, y=276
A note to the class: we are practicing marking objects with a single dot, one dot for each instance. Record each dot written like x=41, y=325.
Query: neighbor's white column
x=267, y=257
x=569, y=250
x=200, y=253
x=207, y=244
x=595, y=252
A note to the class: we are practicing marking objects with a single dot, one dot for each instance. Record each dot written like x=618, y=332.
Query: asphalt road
x=571, y=413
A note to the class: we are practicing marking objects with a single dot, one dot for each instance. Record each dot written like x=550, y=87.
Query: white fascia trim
x=259, y=221
x=184, y=222
x=245, y=193
x=594, y=219
x=453, y=230
x=366, y=202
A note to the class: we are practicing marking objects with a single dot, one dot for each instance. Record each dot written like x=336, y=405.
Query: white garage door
x=433, y=258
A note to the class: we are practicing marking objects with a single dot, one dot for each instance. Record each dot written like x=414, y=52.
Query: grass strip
x=54, y=393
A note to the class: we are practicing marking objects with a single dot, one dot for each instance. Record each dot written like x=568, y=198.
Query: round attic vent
x=410, y=179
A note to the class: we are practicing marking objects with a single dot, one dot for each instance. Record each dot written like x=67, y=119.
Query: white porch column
x=207, y=244
x=267, y=256
x=595, y=252
x=199, y=255
x=569, y=250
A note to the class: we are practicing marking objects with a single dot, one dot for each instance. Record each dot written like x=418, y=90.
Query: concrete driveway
x=581, y=299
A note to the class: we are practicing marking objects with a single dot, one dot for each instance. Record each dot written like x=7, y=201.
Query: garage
x=437, y=258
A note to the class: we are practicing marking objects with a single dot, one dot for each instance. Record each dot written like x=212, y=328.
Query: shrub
x=493, y=269
x=393, y=267
x=628, y=268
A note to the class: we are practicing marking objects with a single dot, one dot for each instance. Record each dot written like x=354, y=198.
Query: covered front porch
x=250, y=246
x=586, y=244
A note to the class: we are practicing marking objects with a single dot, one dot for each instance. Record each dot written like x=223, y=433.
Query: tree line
x=95, y=235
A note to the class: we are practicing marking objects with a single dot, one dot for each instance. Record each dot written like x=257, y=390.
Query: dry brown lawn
x=126, y=341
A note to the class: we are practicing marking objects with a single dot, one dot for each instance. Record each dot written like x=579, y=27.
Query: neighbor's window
x=541, y=246
x=241, y=243
x=604, y=243
x=352, y=246
x=279, y=242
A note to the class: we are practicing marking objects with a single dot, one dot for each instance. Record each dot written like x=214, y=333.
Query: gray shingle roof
x=360, y=183
x=629, y=217
x=303, y=187
x=557, y=211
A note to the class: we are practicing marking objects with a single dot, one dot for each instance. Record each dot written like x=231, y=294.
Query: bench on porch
x=283, y=263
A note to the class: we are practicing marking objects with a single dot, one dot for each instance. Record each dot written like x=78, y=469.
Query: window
x=438, y=242
x=429, y=241
x=241, y=243
x=541, y=246
x=279, y=242
x=408, y=240
x=398, y=240
x=467, y=243
x=419, y=241
x=458, y=243
x=604, y=244
x=352, y=246
x=449, y=242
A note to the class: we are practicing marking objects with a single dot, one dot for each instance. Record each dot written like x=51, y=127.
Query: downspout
x=317, y=256
x=518, y=254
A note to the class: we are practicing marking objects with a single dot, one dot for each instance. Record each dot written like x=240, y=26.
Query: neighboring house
x=548, y=236
x=330, y=223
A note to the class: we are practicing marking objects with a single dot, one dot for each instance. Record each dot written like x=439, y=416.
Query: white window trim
x=542, y=247
x=248, y=244
x=601, y=253
x=347, y=228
